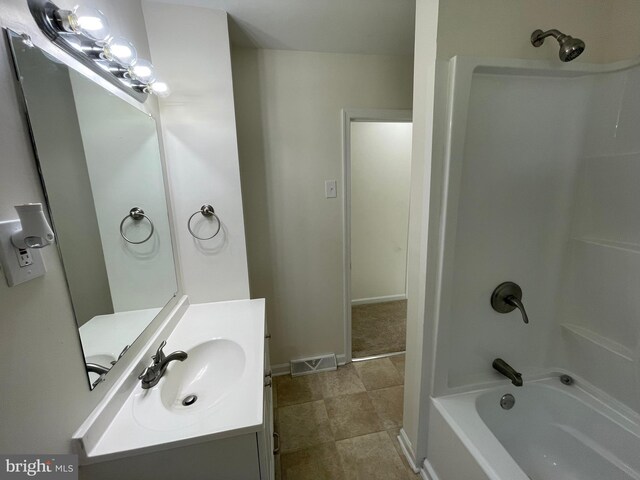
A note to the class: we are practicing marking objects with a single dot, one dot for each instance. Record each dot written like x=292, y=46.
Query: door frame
x=356, y=115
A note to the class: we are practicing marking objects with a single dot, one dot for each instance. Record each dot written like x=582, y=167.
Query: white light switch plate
x=14, y=273
x=331, y=188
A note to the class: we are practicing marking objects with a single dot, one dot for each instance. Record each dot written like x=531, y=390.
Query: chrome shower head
x=570, y=47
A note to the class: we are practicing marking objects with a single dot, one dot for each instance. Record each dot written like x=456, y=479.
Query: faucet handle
x=143, y=373
x=507, y=297
x=516, y=302
x=159, y=356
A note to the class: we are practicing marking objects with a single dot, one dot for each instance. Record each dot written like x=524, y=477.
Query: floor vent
x=305, y=366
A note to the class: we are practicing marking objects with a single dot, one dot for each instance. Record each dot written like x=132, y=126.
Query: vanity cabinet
x=234, y=458
x=231, y=458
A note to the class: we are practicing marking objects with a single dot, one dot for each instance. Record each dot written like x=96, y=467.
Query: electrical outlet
x=24, y=257
x=12, y=261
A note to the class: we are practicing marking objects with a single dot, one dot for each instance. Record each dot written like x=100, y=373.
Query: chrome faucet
x=508, y=371
x=152, y=375
x=96, y=368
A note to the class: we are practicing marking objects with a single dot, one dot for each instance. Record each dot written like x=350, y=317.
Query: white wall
x=288, y=107
x=125, y=171
x=502, y=28
x=380, y=179
x=45, y=390
x=199, y=132
x=422, y=239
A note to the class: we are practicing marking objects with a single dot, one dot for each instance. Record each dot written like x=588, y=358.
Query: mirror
x=100, y=167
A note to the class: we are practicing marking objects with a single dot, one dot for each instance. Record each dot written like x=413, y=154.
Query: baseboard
x=386, y=298
x=285, y=368
x=405, y=445
x=280, y=369
x=427, y=472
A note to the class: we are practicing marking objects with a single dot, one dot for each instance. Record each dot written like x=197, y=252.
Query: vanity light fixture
x=160, y=89
x=121, y=51
x=90, y=22
x=84, y=33
x=142, y=71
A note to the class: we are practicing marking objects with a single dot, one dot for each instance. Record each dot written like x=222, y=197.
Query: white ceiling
x=384, y=27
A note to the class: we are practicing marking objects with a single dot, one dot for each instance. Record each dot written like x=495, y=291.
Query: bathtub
x=553, y=432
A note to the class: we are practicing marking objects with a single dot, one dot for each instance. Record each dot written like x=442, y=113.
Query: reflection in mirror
x=99, y=160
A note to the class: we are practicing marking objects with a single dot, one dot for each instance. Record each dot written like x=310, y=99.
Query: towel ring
x=207, y=211
x=136, y=214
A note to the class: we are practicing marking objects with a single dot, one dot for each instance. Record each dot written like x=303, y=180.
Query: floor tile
x=398, y=362
x=303, y=425
x=380, y=373
x=315, y=463
x=378, y=328
x=292, y=390
x=388, y=403
x=352, y=415
x=342, y=381
x=371, y=457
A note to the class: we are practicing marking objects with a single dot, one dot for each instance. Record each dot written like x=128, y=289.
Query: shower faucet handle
x=515, y=301
x=507, y=297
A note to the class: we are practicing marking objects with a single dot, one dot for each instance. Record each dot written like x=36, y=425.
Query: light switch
x=331, y=188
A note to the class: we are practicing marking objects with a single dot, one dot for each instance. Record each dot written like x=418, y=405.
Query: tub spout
x=508, y=371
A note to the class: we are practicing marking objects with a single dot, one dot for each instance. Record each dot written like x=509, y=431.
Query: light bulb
x=90, y=22
x=160, y=89
x=142, y=71
x=121, y=51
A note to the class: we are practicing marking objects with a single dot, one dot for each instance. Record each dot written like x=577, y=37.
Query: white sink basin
x=210, y=372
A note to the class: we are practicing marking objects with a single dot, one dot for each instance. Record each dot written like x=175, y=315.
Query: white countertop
x=145, y=423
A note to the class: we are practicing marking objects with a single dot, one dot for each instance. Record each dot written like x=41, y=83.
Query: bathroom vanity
x=227, y=432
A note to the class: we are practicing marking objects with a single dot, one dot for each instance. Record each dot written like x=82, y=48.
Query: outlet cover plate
x=13, y=272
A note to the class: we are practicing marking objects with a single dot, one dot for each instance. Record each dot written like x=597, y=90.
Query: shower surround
x=541, y=179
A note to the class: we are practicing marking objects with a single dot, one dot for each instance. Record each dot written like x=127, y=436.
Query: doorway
x=377, y=157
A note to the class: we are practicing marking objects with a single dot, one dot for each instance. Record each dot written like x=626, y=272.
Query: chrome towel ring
x=207, y=211
x=136, y=214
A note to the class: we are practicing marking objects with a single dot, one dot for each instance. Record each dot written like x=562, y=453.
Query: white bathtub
x=553, y=432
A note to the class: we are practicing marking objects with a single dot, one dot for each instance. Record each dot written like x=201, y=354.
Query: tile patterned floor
x=378, y=328
x=342, y=425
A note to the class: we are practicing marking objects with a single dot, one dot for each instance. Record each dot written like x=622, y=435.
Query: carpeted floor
x=378, y=328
